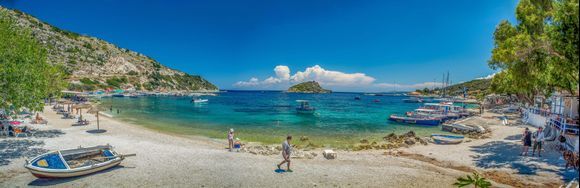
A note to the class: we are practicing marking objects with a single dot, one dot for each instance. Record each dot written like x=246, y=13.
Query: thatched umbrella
x=95, y=109
x=64, y=102
x=81, y=107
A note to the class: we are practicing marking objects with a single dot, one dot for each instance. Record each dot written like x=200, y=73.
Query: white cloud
x=331, y=78
x=328, y=78
x=487, y=77
x=316, y=73
x=282, y=72
x=408, y=86
x=251, y=82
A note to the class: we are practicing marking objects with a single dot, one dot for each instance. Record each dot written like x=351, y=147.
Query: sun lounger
x=82, y=122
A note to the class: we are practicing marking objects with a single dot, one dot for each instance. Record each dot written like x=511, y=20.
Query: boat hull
x=418, y=121
x=66, y=173
x=446, y=139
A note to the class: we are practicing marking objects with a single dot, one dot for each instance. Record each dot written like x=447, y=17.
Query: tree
x=564, y=36
x=538, y=55
x=26, y=78
x=476, y=180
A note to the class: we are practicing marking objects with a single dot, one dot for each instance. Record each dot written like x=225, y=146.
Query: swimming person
x=538, y=139
x=231, y=139
x=286, y=151
x=527, y=139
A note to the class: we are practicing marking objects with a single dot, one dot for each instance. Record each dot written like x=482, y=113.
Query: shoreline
x=166, y=159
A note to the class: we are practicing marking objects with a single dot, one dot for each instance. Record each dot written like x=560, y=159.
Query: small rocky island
x=308, y=87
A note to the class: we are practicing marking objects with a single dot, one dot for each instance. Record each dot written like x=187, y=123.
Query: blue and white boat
x=413, y=100
x=74, y=162
x=416, y=119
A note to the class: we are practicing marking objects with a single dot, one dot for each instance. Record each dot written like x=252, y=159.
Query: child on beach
x=286, y=151
x=527, y=139
x=237, y=145
x=231, y=139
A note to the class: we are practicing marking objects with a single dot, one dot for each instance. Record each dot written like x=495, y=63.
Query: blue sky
x=346, y=45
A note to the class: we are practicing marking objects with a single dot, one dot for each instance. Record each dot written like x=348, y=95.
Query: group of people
x=537, y=138
x=286, y=148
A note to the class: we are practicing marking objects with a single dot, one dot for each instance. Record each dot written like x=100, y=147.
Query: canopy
x=81, y=106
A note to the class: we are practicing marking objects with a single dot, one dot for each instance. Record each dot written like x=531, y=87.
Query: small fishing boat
x=117, y=95
x=199, y=100
x=74, y=162
x=304, y=107
x=357, y=98
x=446, y=139
x=462, y=128
x=413, y=100
x=416, y=119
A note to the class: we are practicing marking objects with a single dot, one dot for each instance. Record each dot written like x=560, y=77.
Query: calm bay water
x=269, y=116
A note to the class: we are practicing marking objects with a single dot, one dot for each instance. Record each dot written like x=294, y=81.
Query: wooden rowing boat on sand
x=446, y=139
x=74, y=162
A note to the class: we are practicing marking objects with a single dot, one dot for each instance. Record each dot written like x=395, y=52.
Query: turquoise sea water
x=269, y=116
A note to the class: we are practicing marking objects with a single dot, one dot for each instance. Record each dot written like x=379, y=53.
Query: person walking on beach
x=538, y=139
x=527, y=139
x=504, y=119
x=286, y=151
x=231, y=139
x=111, y=108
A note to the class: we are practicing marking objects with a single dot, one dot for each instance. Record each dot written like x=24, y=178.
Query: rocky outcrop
x=308, y=87
x=392, y=141
x=93, y=63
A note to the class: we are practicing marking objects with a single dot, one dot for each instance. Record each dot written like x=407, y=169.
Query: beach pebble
x=410, y=141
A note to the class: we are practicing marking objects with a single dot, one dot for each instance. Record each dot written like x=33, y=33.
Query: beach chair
x=20, y=132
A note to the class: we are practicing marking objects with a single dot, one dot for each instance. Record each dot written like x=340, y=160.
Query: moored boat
x=413, y=100
x=462, y=128
x=74, y=162
x=199, y=100
x=446, y=139
x=419, y=120
x=304, y=107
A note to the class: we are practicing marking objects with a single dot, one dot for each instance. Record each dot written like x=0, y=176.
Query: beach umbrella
x=81, y=106
x=95, y=109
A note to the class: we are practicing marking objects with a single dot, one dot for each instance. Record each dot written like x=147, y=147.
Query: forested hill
x=93, y=63
x=473, y=86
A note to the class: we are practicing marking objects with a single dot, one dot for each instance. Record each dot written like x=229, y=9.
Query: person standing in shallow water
x=286, y=151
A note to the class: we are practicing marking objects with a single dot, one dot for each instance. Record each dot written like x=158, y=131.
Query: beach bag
x=562, y=139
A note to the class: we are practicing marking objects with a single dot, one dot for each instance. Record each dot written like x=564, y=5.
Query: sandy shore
x=179, y=161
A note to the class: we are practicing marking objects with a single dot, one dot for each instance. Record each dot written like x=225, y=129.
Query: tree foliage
x=539, y=54
x=26, y=78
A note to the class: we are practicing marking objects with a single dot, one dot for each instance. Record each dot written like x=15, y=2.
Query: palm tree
x=476, y=180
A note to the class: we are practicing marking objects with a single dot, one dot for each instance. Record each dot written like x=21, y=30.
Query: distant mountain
x=94, y=64
x=308, y=87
